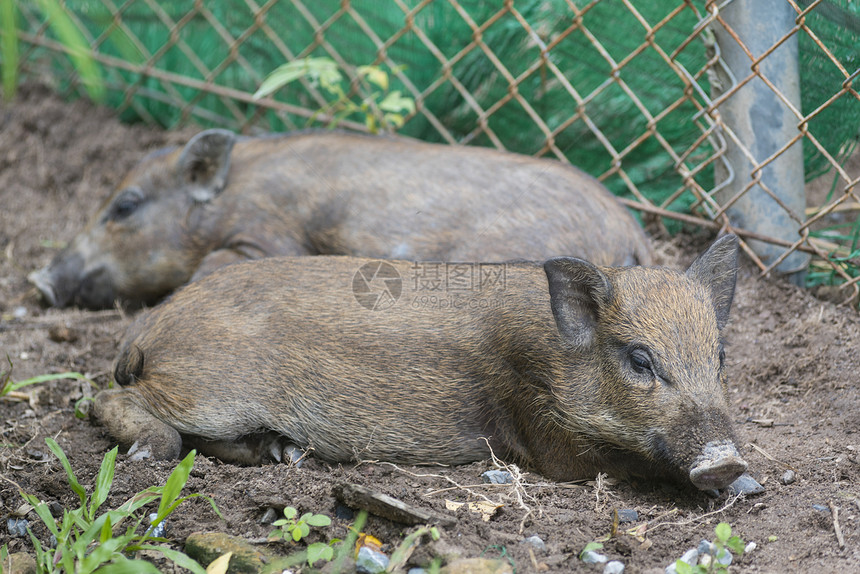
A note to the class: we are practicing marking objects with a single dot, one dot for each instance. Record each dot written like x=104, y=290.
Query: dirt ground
x=792, y=360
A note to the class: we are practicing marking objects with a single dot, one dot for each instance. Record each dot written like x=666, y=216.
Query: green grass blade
x=79, y=50
x=9, y=47
x=103, y=481
x=46, y=378
x=73, y=481
x=44, y=514
x=195, y=495
x=174, y=485
x=344, y=549
x=125, y=566
x=178, y=558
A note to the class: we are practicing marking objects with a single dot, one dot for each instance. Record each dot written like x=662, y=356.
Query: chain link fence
x=647, y=95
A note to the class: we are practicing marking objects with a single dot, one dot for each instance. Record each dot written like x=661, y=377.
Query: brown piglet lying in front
x=565, y=367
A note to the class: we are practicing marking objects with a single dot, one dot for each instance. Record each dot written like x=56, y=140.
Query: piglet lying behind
x=568, y=368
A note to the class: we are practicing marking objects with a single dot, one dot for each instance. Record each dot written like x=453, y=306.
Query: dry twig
x=700, y=518
x=834, y=510
x=771, y=458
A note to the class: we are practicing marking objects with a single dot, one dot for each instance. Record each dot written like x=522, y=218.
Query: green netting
x=227, y=44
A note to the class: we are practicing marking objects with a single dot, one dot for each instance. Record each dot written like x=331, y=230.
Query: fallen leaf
x=220, y=564
x=486, y=509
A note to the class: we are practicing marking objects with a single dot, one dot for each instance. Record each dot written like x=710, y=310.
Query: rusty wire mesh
x=544, y=78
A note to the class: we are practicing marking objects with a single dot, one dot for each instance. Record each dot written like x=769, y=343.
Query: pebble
x=614, y=567
x=160, y=530
x=417, y=571
x=592, y=557
x=724, y=557
x=370, y=561
x=497, y=477
x=691, y=556
x=19, y=312
x=820, y=508
x=745, y=484
x=19, y=563
x=56, y=509
x=535, y=541
x=706, y=547
x=204, y=547
x=750, y=547
x=17, y=527
x=789, y=477
x=269, y=516
x=35, y=454
x=627, y=515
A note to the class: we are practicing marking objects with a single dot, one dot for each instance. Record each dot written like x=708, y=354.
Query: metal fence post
x=763, y=124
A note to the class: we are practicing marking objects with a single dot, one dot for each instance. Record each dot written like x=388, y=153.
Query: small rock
x=724, y=557
x=62, y=334
x=535, y=541
x=269, y=516
x=35, y=454
x=750, y=547
x=416, y=571
x=613, y=567
x=497, y=477
x=19, y=563
x=370, y=561
x=789, y=477
x=820, y=508
x=627, y=515
x=17, y=527
x=160, y=530
x=690, y=557
x=592, y=557
x=204, y=547
x=706, y=547
x=745, y=484
x=19, y=312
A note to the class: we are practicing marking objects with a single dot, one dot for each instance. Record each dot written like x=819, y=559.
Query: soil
x=792, y=363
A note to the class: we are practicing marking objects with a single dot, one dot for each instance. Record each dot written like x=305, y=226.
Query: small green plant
x=68, y=34
x=725, y=543
x=87, y=541
x=7, y=385
x=590, y=547
x=338, y=550
x=381, y=109
x=290, y=527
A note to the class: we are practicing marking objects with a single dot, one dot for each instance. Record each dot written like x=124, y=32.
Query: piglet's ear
x=717, y=269
x=205, y=162
x=577, y=290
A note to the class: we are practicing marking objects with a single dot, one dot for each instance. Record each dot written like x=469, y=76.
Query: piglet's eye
x=640, y=360
x=125, y=204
